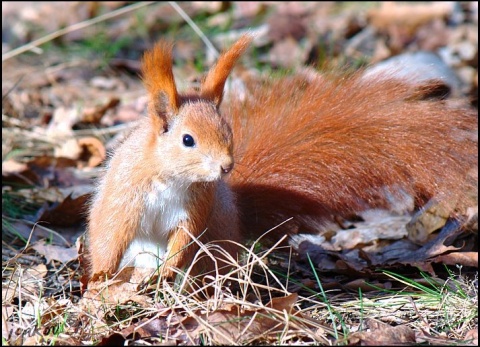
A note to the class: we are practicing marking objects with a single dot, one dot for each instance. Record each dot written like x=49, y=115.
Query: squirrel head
x=188, y=130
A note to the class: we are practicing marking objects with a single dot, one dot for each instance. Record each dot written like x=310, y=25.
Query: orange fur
x=208, y=224
x=160, y=83
x=341, y=144
x=303, y=148
x=212, y=86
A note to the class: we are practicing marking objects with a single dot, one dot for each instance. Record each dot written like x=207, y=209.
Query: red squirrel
x=297, y=148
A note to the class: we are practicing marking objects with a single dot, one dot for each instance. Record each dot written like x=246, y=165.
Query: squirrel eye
x=188, y=141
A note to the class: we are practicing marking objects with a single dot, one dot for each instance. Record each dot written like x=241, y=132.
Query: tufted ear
x=164, y=100
x=212, y=86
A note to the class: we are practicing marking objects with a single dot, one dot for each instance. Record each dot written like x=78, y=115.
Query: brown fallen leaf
x=376, y=225
x=165, y=327
x=93, y=151
x=248, y=9
x=10, y=166
x=55, y=309
x=401, y=21
x=48, y=163
x=230, y=324
x=27, y=283
x=285, y=25
x=122, y=288
x=54, y=252
x=93, y=115
x=408, y=15
x=43, y=171
x=287, y=53
x=284, y=303
x=34, y=232
x=67, y=213
x=62, y=122
x=381, y=334
x=428, y=219
x=457, y=258
x=236, y=325
x=471, y=337
x=105, y=83
x=20, y=173
x=116, y=339
x=144, y=329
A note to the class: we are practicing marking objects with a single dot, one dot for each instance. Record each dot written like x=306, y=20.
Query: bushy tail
x=311, y=149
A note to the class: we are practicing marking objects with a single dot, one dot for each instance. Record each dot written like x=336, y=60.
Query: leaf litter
x=60, y=118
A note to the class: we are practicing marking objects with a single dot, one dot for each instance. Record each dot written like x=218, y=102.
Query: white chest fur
x=165, y=207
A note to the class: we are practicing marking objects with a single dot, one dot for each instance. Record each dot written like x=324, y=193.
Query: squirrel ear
x=159, y=81
x=212, y=86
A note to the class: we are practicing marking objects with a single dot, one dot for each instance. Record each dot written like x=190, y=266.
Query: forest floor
x=70, y=91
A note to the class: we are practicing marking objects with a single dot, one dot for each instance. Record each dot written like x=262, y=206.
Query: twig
x=194, y=27
x=12, y=88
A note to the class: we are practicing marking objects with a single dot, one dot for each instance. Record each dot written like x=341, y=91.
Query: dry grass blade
x=195, y=27
x=227, y=319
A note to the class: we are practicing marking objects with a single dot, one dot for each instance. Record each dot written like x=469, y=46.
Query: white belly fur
x=165, y=208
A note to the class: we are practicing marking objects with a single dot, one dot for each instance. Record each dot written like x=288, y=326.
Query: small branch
x=195, y=27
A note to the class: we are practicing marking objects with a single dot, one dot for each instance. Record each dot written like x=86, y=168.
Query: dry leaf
x=54, y=310
x=231, y=324
x=407, y=15
x=53, y=252
x=122, y=288
x=382, y=334
x=377, y=225
x=236, y=325
x=10, y=166
x=94, y=115
x=93, y=151
x=246, y=9
x=430, y=218
x=472, y=337
x=401, y=21
x=69, y=212
x=286, y=25
x=458, y=258
x=62, y=122
x=29, y=282
x=106, y=83
x=67, y=149
x=20, y=173
x=287, y=53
